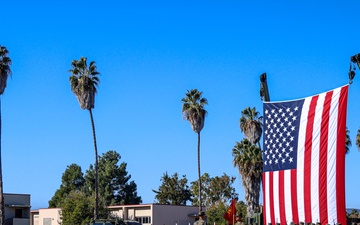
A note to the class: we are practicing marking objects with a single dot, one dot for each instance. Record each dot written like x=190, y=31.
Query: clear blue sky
x=149, y=53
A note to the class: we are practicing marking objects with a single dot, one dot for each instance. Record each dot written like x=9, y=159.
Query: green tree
x=248, y=160
x=215, y=213
x=5, y=72
x=173, y=191
x=83, y=81
x=114, y=181
x=241, y=208
x=214, y=189
x=71, y=180
x=77, y=208
x=194, y=112
x=251, y=125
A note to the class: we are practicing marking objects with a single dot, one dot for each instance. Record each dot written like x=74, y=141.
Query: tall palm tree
x=248, y=160
x=83, y=81
x=251, y=125
x=194, y=112
x=5, y=72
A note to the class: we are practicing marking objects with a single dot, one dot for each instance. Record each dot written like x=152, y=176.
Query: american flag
x=304, y=159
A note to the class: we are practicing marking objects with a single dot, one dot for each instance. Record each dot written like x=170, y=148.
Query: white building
x=147, y=214
x=49, y=216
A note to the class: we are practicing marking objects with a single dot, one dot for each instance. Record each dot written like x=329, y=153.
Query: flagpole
x=264, y=90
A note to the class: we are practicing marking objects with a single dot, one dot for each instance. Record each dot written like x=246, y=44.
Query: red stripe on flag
x=307, y=157
x=294, y=202
x=282, y=197
x=271, y=197
x=340, y=156
x=264, y=198
x=323, y=155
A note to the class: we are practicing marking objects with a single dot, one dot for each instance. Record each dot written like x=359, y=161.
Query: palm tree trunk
x=2, y=208
x=96, y=207
x=199, y=174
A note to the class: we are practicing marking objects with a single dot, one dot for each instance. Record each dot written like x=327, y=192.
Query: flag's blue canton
x=281, y=129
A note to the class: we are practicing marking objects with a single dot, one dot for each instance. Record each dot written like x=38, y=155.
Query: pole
x=264, y=91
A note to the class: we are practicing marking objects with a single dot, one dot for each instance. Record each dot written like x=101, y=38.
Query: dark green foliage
x=241, y=208
x=77, y=208
x=215, y=214
x=72, y=179
x=114, y=181
x=173, y=191
x=214, y=189
x=76, y=193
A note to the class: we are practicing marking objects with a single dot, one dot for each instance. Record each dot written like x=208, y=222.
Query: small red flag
x=231, y=212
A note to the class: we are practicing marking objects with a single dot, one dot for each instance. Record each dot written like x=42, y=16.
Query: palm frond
x=5, y=71
x=358, y=139
x=83, y=82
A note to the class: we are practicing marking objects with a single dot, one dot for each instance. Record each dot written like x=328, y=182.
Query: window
x=144, y=219
x=47, y=221
x=18, y=213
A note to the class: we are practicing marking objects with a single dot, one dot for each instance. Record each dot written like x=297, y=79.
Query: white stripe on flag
x=276, y=196
x=331, y=161
x=287, y=189
x=315, y=158
x=267, y=198
x=300, y=158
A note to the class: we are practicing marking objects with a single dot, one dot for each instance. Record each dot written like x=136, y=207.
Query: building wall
x=46, y=216
x=173, y=215
x=131, y=212
x=17, y=221
x=17, y=208
x=34, y=217
x=147, y=214
x=156, y=214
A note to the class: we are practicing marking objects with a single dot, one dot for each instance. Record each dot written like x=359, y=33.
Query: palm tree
x=347, y=142
x=83, y=81
x=251, y=125
x=358, y=139
x=248, y=160
x=194, y=112
x=5, y=72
